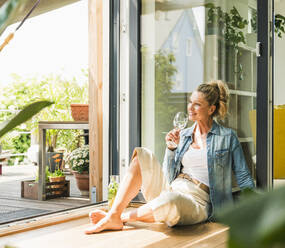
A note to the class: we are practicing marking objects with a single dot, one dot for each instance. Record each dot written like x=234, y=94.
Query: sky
x=52, y=43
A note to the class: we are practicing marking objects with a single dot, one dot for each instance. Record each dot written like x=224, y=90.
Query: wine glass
x=179, y=122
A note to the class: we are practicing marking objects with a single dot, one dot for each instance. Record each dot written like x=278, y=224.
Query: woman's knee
x=172, y=197
x=135, y=166
x=171, y=206
x=135, y=161
x=169, y=199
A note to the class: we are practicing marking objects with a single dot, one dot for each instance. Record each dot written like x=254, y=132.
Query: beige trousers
x=179, y=203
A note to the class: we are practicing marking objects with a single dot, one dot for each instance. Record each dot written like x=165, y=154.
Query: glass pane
x=279, y=100
x=43, y=67
x=186, y=43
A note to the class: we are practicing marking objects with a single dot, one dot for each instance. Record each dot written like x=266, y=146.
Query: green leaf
x=24, y=115
x=6, y=11
x=257, y=221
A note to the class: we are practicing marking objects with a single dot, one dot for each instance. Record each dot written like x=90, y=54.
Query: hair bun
x=216, y=93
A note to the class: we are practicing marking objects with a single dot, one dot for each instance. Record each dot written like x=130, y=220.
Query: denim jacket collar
x=214, y=129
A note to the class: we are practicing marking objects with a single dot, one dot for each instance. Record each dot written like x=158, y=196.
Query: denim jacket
x=224, y=154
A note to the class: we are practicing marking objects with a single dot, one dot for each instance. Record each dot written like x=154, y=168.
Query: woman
x=195, y=179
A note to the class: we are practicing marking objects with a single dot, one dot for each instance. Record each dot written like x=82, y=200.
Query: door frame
x=264, y=102
x=114, y=86
x=134, y=76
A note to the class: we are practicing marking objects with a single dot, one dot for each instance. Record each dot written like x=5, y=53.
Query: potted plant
x=79, y=112
x=58, y=173
x=78, y=160
x=57, y=177
x=56, y=185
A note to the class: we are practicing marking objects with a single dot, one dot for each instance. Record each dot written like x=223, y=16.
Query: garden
x=67, y=150
x=58, y=90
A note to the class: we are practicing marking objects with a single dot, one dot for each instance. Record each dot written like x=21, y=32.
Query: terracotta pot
x=79, y=112
x=57, y=179
x=82, y=182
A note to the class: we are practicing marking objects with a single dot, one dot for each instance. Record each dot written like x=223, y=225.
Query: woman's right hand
x=173, y=136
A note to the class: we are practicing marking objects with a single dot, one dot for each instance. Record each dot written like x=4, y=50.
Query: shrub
x=54, y=88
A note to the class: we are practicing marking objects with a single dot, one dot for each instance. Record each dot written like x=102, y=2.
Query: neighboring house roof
x=165, y=23
x=184, y=40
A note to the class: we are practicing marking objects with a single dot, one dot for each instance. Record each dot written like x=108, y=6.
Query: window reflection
x=185, y=43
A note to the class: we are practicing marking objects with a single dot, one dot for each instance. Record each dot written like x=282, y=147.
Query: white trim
x=148, y=75
x=242, y=93
x=244, y=140
x=247, y=48
x=124, y=87
x=105, y=99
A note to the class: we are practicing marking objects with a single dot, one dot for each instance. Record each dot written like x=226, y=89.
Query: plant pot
x=58, y=186
x=29, y=189
x=82, y=182
x=50, y=160
x=79, y=112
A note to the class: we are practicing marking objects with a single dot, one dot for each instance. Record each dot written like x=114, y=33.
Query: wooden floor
x=70, y=234
x=66, y=229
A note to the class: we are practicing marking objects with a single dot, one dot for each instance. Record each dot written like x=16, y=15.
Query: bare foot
x=112, y=222
x=96, y=215
x=125, y=217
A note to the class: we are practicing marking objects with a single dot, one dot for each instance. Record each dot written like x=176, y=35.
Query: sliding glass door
x=185, y=43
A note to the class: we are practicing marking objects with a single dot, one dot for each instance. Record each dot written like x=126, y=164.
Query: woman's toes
x=107, y=223
x=96, y=215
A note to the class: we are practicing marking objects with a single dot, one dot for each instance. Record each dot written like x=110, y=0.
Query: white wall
x=279, y=83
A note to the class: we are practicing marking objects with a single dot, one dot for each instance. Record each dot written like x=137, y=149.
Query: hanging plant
x=230, y=24
x=279, y=25
x=253, y=22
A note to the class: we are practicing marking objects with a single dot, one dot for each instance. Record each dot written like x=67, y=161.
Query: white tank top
x=195, y=164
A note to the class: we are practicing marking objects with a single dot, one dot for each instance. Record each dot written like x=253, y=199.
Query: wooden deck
x=68, y=231
x=10, y=192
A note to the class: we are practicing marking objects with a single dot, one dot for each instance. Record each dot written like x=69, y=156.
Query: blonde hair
x=216, y=93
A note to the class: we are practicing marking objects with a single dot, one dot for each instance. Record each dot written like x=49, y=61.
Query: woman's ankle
x=125, y=217
x=114, y=214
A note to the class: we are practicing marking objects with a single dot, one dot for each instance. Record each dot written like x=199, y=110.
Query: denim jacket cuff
x=169, y=153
